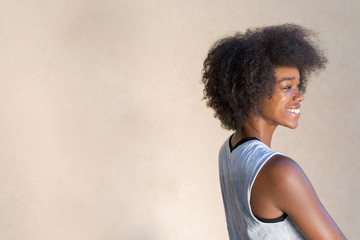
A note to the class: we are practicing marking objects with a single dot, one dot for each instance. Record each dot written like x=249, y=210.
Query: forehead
x=286, y=74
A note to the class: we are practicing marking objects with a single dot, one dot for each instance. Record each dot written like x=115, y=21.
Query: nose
x=298, y=97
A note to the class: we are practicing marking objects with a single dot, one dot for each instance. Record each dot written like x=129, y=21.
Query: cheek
x=278, y=108
x=275, y=104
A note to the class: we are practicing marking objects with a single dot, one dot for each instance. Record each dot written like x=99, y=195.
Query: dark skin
x=281, y=185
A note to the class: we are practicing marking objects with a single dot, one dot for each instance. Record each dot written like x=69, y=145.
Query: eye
x=288, y=87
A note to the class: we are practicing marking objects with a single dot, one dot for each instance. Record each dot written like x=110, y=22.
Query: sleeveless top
x=239, y=167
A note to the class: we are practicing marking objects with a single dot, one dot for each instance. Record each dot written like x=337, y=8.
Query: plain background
x=103, y=133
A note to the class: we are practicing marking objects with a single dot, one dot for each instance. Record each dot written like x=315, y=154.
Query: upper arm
x=292, y=192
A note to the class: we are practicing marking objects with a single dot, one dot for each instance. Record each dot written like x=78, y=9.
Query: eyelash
x=289, y=87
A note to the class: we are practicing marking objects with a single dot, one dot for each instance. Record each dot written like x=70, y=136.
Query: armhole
x=272, y=220
x=265, y=220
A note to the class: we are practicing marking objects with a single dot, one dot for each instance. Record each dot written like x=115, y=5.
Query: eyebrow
x=286, y=79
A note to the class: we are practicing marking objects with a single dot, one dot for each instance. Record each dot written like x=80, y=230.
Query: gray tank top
x=238, y=169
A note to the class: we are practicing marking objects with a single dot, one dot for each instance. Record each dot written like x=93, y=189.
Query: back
x=238, y=170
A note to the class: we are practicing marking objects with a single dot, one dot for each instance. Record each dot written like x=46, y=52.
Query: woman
x=254, y=82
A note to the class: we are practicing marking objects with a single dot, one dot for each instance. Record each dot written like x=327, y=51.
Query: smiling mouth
x=294, y=110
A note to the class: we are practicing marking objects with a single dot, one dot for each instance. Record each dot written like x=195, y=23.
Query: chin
x=293, y=126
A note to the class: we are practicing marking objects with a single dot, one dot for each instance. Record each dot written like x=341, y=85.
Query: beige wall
x=103, y=131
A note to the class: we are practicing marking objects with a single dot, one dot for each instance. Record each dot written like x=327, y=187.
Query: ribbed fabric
x=238, y=170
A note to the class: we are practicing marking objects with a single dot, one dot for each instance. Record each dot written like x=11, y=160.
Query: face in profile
x=283, y=107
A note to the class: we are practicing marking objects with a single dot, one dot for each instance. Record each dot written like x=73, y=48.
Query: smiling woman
x=283, y=108
x=255, y=82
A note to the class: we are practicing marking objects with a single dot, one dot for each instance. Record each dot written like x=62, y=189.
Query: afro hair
x=238, y=72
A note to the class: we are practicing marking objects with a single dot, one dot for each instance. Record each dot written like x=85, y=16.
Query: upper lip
x=296, y=106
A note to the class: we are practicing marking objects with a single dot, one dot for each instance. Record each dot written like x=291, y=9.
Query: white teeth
x=292, y=110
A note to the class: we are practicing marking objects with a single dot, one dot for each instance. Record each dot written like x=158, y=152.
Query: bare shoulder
x=283, y=169
x=288, y=182
x=291, y=191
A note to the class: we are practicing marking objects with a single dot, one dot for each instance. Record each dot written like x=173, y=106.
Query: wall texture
x=103, y=131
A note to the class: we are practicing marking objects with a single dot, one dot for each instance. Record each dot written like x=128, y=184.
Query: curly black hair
x=238, y=72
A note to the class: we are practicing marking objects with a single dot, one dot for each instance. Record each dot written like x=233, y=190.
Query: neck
x=255, y=127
